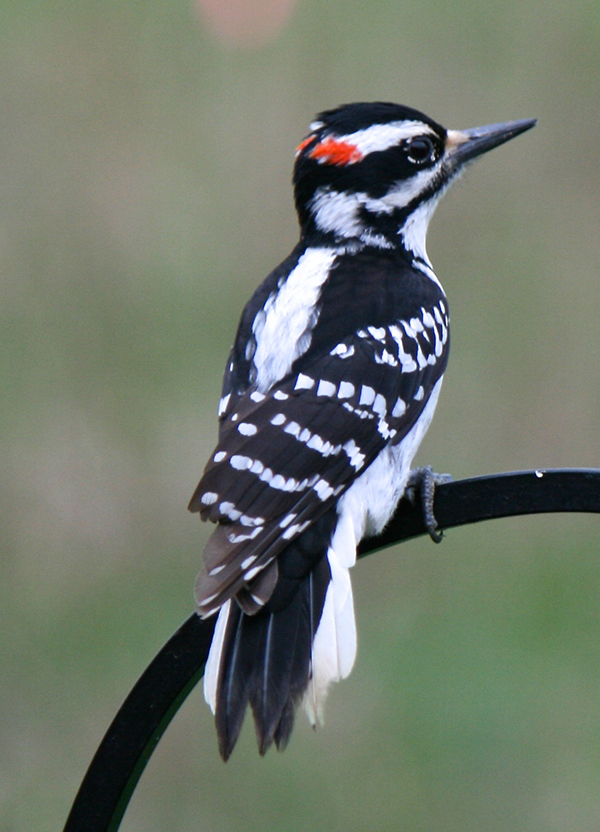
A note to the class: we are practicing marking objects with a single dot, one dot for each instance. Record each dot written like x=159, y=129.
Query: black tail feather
x=239, y=645
x=266, y=662
x=282, y=671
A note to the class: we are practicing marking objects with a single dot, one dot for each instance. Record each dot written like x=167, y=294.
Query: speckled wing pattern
x=285, y=457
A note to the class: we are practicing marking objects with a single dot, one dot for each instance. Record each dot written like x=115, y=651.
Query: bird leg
x=422, y=483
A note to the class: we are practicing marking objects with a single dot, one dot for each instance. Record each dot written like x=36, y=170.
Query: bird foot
x=421, y=484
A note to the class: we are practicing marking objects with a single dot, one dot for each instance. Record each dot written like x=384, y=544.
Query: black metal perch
x=155, y=699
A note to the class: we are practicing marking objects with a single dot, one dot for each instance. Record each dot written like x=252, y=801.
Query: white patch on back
x=287, y=315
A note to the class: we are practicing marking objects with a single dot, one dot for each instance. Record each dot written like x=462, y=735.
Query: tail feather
x=265, y=660
x=334, y=644
x=235, y=675
x=291, y=650
x=282, y=667
x=213, y=663
x=284, y=673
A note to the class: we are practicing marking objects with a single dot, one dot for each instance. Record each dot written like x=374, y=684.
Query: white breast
x=364, y=509
x=372, y=498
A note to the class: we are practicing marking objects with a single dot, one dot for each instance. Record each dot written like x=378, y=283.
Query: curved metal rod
x=157, y=696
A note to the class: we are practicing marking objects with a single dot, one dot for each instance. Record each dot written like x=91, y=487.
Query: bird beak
x=464, y=145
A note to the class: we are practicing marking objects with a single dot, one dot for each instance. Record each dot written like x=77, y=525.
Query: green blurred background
x=145, y=158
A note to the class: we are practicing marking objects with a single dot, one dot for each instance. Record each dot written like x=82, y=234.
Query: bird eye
x=420, y=150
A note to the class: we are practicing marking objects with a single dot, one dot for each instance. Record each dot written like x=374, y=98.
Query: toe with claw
x=421, y=486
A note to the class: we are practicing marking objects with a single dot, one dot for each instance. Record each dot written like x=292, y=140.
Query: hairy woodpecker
x=331, y=384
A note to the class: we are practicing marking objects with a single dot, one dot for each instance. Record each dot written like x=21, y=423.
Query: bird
x=331, y=384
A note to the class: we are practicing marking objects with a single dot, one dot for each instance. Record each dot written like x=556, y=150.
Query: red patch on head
x=304, y=143
x=334, y=152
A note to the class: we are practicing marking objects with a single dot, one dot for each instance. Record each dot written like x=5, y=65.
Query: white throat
x=414, y=230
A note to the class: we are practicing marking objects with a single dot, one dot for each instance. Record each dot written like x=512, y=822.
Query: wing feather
x=284, y=457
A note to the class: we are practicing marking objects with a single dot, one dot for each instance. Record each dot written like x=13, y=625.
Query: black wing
x=284, y=457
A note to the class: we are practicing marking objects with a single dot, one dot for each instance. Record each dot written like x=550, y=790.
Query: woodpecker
x=330, y=387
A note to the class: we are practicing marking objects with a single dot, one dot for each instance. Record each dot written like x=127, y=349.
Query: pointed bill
x=464, y=145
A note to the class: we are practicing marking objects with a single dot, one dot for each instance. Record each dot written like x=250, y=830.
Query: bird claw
x=422, y=483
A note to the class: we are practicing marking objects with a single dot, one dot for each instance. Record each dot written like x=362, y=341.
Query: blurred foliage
x=144, y=192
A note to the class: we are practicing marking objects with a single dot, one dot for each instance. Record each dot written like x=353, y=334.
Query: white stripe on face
x=402, y=194
x=338, y=211
x=383, y=136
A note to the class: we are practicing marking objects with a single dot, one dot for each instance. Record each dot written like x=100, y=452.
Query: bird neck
x=354, y=221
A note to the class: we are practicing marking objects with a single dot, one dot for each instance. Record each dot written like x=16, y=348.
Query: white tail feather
x=334, y=646
x=211, y=670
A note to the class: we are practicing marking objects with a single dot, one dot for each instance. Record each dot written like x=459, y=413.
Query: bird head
x=374, y=172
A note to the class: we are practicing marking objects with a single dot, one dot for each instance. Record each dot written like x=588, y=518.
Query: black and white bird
x=331, y=384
